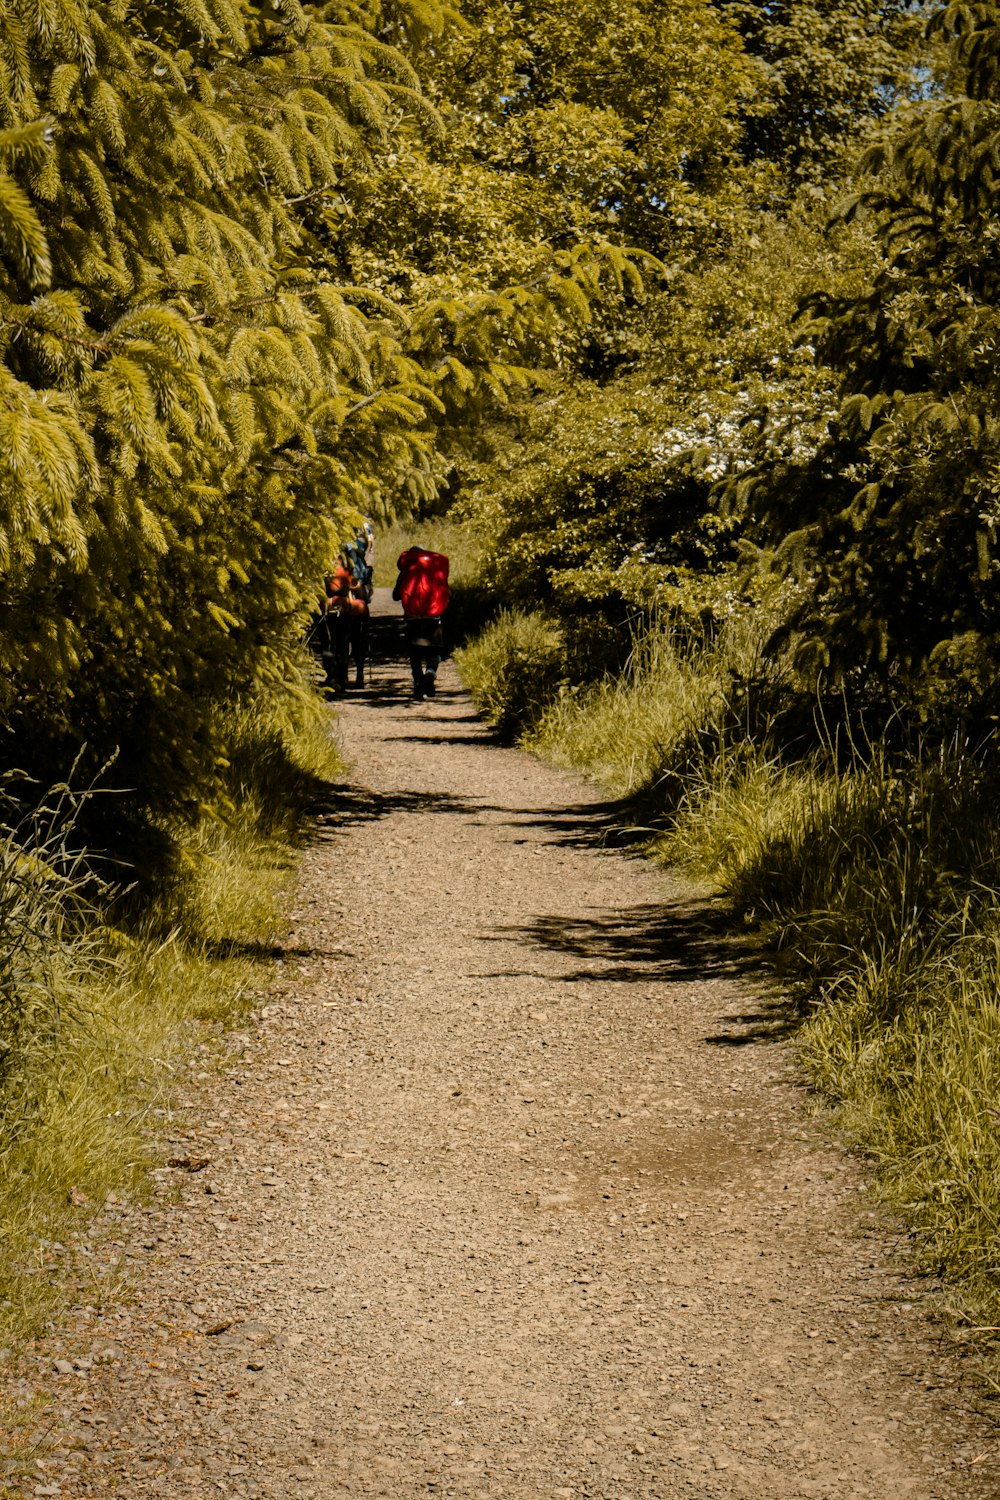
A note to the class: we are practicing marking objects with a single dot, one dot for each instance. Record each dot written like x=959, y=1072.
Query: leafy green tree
x=600, y=495
x=614, y=125
x=618, y=521
x=828, y=67
x=616, y=116
x=890, y=521
x=592, y=124
x=197, y=392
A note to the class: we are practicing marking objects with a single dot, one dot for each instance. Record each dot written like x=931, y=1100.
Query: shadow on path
x=345, y=806
x=480, y=741
x=650, y=944
x=662, y=945
x=581, y=826
x=225, y=948
x=604, y=824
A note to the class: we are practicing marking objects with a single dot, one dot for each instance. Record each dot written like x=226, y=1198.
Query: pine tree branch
x=74, y=340
x=303, y=294
x=237, y=308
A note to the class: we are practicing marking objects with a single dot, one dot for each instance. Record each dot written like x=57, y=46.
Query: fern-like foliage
x=197, y=390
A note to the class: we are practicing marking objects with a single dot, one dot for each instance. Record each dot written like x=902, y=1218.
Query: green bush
x=514, y=669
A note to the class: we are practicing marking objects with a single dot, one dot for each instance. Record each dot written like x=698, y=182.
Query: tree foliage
x=829, y=69
x=611, y=497
x=564, y=127
x=599, y=117
x=264, y=265
x=197, y=389
x=891, y=521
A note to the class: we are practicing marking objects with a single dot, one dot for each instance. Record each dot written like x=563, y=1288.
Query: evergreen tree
x=164, y=352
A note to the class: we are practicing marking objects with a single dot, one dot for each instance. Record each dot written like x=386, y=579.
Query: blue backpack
x=360, y=554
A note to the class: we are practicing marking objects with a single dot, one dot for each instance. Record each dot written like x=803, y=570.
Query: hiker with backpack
x=360, y=558
x=422, y=589
x=346, y=617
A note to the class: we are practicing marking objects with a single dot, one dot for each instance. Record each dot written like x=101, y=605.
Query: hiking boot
x=429, y=686
x=359, y=678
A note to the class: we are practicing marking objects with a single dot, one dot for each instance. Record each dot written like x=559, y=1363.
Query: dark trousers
x=425, y=643
x=345, y=636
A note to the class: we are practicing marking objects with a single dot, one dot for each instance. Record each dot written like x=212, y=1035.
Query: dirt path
x=514, y=1196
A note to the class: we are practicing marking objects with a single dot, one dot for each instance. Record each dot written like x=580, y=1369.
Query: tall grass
x=513, y=668
x=627, y=731
x=460, y=542
x=46, y=951
x=282, y=755
x=908, y=1041
x=661, y=723
x=876, y=878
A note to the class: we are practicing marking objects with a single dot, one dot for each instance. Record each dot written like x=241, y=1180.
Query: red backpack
x=423, y=583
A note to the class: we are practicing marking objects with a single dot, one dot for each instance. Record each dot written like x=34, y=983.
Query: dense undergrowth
x=871, y=865
x=104, y=1000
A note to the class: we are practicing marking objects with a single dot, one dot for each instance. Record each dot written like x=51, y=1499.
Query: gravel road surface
x=511, y=1192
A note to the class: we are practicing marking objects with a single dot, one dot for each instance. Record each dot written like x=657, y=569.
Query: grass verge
x=97, y=1020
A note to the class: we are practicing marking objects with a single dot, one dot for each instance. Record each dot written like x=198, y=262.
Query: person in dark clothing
x=359, y=555
x=345, y=619
x=422, y=589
